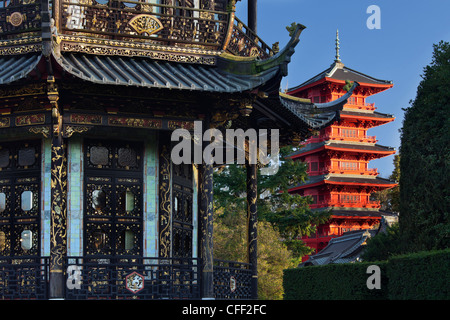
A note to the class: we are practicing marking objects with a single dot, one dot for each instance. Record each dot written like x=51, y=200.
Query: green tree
x=425, y=157
x=230, y=243
x=390, y=198
x=289, y=214
x=385, y=245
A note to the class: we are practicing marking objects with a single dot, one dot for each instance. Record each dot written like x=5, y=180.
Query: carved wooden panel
x=20, y=198
x=113, y=198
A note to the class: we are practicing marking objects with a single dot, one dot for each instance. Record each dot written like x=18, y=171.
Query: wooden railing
x=184, y=24
x=346, y=204
x=161, y=23
x=20, y=17
x=245, y=42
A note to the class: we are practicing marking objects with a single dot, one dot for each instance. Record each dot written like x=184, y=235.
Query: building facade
x=91, y=204
x=338, y=156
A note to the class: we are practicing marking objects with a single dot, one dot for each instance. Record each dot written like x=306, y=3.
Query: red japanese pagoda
x=338, y=156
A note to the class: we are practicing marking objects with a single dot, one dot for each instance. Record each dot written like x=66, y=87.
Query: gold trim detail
x=45, y=131
x=144, y=23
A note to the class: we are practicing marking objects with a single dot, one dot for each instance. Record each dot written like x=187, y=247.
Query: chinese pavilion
x=338, y=156
x=91, y=205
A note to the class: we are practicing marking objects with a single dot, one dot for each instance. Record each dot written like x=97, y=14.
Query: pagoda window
x=113, y=206
x=314, y=166
x=351, y=100
x=348, y=133
x=20, y=176
x=347, y=165
x=349, y=198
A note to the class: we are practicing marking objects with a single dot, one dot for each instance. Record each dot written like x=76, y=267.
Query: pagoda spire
x=338, y=58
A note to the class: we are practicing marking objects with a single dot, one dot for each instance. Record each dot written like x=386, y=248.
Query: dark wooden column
x=252, y=15
x=252, y=221
x=165, y=213
x=58, y=219
x=206, y=229
x=206, y=211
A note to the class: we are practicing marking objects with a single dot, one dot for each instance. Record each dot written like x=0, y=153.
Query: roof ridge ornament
x=337, y=64
x=338, y=57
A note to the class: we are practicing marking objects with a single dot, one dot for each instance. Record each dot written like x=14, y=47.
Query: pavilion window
x=113, y=206
x=20, y=170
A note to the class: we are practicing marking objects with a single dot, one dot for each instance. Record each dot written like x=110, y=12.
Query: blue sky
x=398, y=51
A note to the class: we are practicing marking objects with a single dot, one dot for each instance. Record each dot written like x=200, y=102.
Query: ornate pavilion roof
x=193, y=48
x=338, y=71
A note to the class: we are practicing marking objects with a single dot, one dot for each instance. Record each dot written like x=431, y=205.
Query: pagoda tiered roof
x=339, y=73
x=374, y=149
x=354, y=180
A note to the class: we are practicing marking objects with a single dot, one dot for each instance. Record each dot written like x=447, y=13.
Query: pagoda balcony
x=342, y=138
x=111, y=278
x=346, y=204
x=129, y=27
x=361, y=106
x=355, y=171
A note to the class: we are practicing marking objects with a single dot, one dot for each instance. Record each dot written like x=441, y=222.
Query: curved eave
x=375, y=149
x=376, y=117
x=16, y=67
x=147, y=73
x=254, y=65
x=357, y=181
x=315, y=115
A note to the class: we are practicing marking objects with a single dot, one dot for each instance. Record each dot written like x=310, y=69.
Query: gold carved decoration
x=45, y=130
x=70, y=130
x=5, y=122
x=29, y=120
x=144, y=23
x=15, y=19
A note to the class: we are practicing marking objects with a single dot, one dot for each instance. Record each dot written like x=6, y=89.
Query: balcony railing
x=346, y=204
x=342, y=137
x=20, y=17
x=161, y=23
x=133, y=278
x=245, y=42
x=24, y=278
x=361, y=106
x=232, y=280
x=355, y=171
x=123, y=278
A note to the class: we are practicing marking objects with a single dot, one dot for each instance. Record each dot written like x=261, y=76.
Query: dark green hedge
x=332, y=282
x=424, y=275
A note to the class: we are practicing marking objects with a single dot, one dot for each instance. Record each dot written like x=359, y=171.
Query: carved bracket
x=69, y=130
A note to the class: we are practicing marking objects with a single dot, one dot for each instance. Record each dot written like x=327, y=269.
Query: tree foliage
x=425, y=158
x=390, y=198
x=289, y=214
x=230, y=243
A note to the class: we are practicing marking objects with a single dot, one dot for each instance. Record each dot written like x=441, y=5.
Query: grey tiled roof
x=341, y=72
x=343, y=249
x=16, y=67
x=141, y=72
